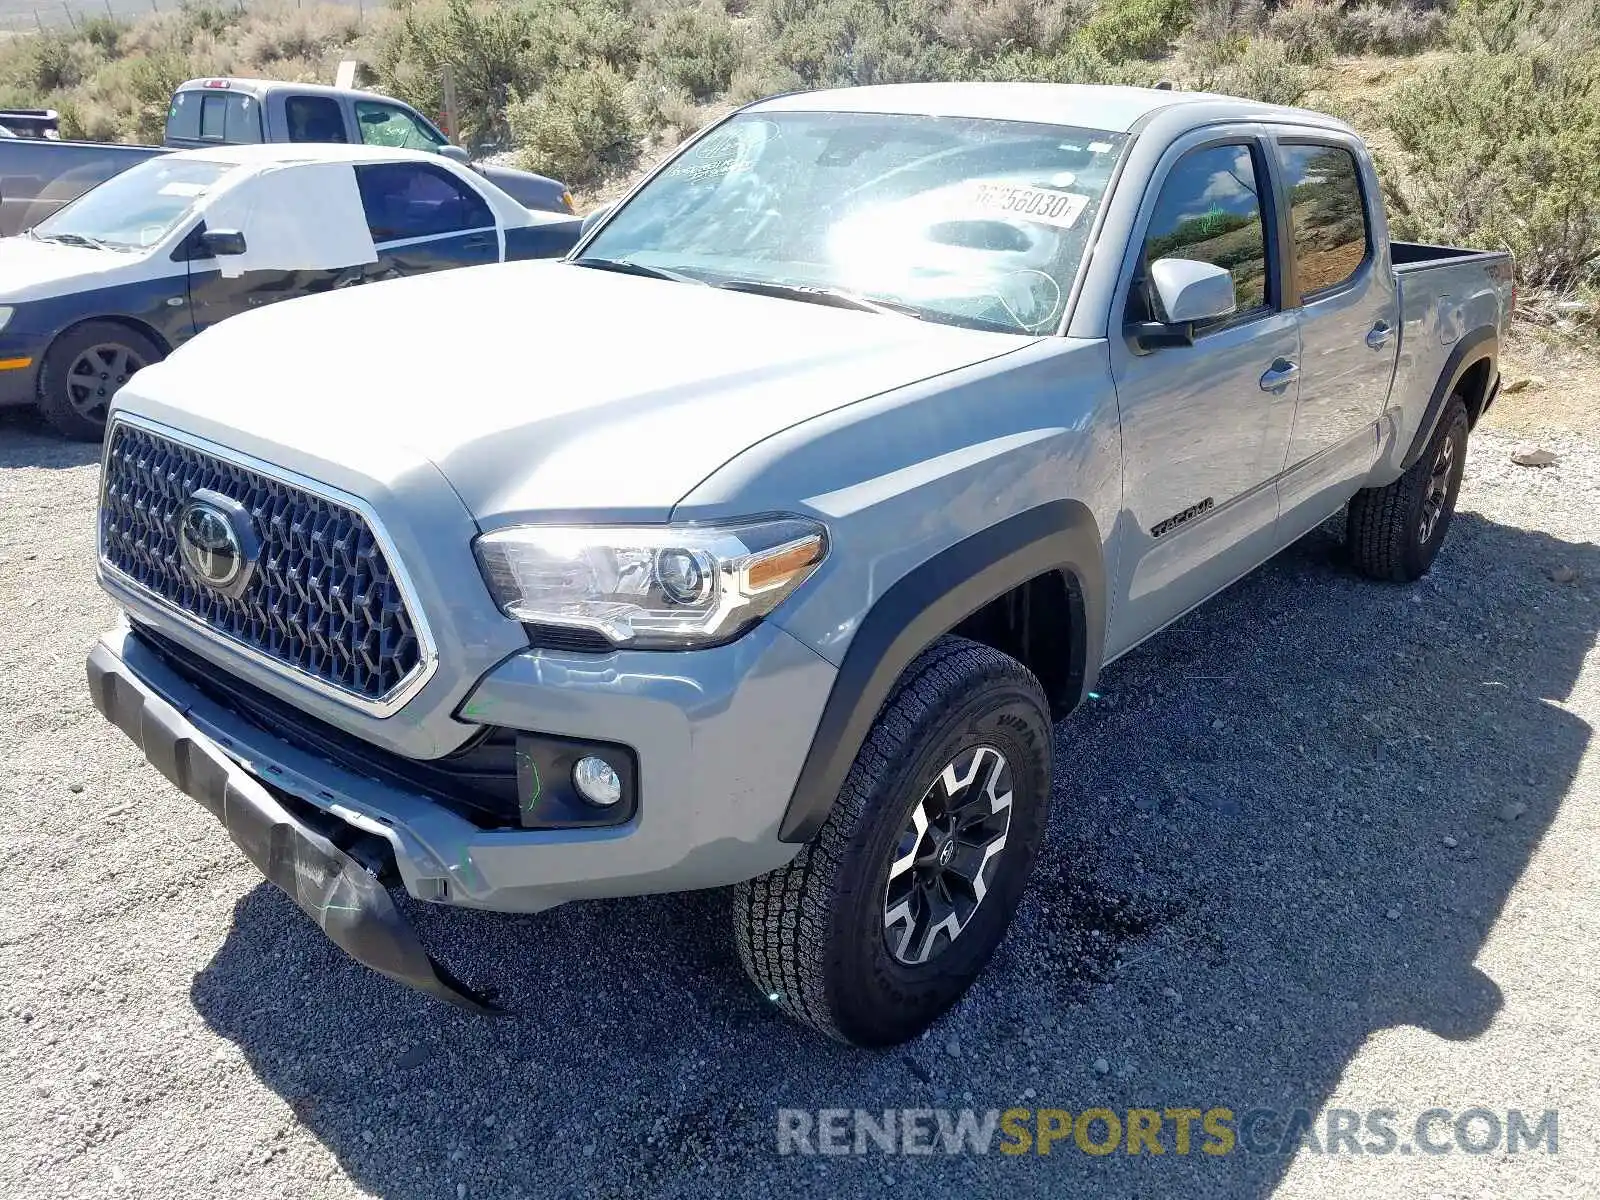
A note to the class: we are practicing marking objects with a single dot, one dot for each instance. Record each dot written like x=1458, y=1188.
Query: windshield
x=971, y=222
x=136, y=209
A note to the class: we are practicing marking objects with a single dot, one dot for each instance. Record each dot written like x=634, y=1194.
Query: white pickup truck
x=859, y=437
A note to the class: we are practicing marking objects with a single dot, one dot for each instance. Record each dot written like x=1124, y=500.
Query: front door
x=423, y=217
x=215, y=297
x=1348, y=319
x=1204, y=427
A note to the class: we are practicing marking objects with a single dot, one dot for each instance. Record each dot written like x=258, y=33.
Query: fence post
x=67, y=8
x=110, y=16
x=452, y=119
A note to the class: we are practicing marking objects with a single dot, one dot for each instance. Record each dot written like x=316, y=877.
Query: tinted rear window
x=214, y=115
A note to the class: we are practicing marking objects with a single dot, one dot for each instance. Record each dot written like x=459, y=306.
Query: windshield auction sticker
x=1045, y=205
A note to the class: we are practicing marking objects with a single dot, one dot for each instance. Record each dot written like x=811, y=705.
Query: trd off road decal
x=1188, y=514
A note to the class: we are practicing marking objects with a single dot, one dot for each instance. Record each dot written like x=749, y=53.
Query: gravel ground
x=1323, y=844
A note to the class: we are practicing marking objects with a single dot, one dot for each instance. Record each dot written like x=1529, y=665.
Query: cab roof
x=1111, y=108
x=258, y=88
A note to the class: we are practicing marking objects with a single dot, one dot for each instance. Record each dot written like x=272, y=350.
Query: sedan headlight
x=650, y=585
x=5, y=315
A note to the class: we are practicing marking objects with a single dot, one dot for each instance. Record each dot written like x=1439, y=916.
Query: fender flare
x=928, y=602
x=1480, y=343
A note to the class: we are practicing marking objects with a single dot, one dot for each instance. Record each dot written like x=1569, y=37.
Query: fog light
x=597, y=782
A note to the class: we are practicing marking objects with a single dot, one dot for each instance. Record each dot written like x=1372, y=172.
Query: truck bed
x=38, y=176
x=1413, y=256
x=1446, y=295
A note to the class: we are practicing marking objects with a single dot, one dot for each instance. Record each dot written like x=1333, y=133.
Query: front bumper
x=719, y=744
x=20, y=356
x=345, y=900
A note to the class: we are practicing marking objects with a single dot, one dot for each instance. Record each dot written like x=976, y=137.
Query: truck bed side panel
x=38, y=176
x=1452, y=306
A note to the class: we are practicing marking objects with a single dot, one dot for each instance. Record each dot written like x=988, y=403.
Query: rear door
x=1204, y=427
x=1349, y=322
x=424, y=217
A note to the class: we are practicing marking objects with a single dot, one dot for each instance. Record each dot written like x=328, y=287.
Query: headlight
x=650, y=585
x=5, y=315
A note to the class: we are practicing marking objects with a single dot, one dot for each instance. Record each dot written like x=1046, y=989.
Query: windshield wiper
x=813, y=294
x=624, y=266
x=72, y=239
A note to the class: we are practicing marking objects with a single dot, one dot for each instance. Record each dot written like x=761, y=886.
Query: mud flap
x=346, y=901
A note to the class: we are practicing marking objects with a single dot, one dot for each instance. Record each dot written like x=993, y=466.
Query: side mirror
x=455, y=154
x=1193, y=291
x=219, y=243
x=594, y=218
x=1190, y=292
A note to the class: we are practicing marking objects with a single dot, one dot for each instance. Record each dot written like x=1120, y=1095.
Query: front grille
x=323, y=600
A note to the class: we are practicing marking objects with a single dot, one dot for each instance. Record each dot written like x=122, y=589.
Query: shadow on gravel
x=26, y=441
x=1291, y=822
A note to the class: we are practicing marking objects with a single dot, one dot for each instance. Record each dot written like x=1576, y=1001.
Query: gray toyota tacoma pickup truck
x=865, y=432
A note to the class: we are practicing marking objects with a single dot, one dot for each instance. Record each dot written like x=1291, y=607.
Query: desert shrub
x=836, y=43
x=87, y=120
x=498, y=51
x=273, y=36
x=1499, y=26
x=49, y=62
x=1385, y=29
x=1077, y=63
x=104, y=33
x=1504, y=150
x=763, y=77
x=1121, y=30
x=579, y=127
x=137, y=90
x=669, y=112
x=1263, y=71
x=1218, y=32
x=989, y=29
x=1307, y=29
x=694, y=48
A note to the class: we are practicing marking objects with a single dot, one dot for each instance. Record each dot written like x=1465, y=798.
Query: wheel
x=83, y=369
x=884, y=919
x=1395, y=532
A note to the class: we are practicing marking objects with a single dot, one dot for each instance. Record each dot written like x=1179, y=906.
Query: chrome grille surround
x=330, y=607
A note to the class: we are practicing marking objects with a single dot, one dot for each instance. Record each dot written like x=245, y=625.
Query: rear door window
x=314, y=119
x=230, y=117
x=414, y=200
x=1329, y=220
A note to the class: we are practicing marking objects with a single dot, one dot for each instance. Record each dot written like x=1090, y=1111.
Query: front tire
x=1395, y=532
x=82, y=371
x=885, y=918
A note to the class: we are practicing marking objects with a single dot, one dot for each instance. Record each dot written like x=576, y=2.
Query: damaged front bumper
x=346, y=900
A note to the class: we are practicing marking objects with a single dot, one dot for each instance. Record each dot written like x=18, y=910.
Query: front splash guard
x=347, y=902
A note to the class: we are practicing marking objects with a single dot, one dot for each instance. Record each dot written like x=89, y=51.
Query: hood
x=540, y=390
x=35, y=270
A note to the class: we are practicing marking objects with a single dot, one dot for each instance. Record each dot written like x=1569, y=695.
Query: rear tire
x=82, y=371
x=884, y=919
x=1395, y=532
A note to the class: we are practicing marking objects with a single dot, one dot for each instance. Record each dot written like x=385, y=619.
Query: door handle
x=1280, y=375
x=1378, y=336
